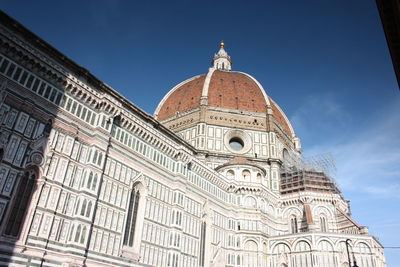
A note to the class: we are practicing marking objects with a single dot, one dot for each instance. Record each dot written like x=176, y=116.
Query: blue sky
x=326, y=63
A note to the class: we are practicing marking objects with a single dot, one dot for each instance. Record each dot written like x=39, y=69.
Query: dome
x=224, y=90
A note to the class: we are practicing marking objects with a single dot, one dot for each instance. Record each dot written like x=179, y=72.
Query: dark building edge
x=389, y=11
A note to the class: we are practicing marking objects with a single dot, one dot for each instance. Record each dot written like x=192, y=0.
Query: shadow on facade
x=31, y=98
x=26, y=118
x=45, y=151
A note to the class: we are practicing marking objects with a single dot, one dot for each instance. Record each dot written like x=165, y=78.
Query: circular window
x=236, y=143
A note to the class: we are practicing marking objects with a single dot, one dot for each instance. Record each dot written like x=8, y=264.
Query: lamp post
x=348, y=254
x=354, y=260
x=114, y=122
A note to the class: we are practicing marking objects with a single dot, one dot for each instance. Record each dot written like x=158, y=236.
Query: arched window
x=89, y=208
x=83, y=235
x=83, y=207
x=293, y=225
x=132, y=217
x=90, y=179
x=285, y=154
x=230, y=174
x=95, y=156
x=238, y=241
x=71, y=232
x=287, y=162
x=94, y=184
x=134, y=221
x=21, y=203
x=263, y=206
x=100, y=159
x=78, y=233
x=83, y=179
x=323, y=225
x=77, y=206
x=246, y=174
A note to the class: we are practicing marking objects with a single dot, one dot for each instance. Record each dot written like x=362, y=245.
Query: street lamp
x=354, y=261
x=348, y=255
x=114, y=123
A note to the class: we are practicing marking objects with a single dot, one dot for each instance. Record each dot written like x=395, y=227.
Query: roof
x=229, y=90
x=281, y=117
x=184, y=98
x=235, y=90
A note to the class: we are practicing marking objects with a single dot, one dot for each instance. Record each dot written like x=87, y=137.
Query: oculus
x=236, y=143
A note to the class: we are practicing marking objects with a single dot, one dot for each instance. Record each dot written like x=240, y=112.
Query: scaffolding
x=315, y=173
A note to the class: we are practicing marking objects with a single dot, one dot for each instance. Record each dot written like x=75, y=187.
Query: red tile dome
x=235, y=90
x=226, y=89
x=184, y=97
x=222, y=89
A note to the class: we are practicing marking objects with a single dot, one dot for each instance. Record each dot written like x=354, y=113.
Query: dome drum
x=227, y=99
x=241, y=170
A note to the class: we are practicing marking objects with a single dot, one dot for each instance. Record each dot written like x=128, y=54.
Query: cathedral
x=215, y=178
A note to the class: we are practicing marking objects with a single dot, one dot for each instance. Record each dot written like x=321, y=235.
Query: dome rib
x=183, y=97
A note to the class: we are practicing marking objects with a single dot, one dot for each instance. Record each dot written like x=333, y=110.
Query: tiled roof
x=235, y=90
x=184, y=98
x=226, y=89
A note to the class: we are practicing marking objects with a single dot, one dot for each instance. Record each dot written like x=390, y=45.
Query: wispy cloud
x=323, y=112
x=368, y=159
x=391, y=191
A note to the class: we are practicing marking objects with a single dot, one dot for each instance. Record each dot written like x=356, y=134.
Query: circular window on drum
x=237, y=141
